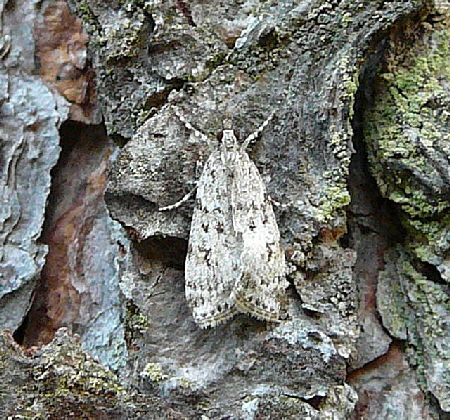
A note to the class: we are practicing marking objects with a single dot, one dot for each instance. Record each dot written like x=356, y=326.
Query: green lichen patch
x=406, y=125
x=61, y=378
x=154, y=372
x=87, y=15
x=407, y=132
x=62, y=381
x=135, y=323
x=335, y=198
x=65, y=369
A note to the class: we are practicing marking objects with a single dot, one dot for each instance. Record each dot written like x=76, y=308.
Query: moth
x=235, y=262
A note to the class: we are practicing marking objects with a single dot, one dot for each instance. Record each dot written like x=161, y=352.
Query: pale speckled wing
x=261, y=288
x=212, y=266
x=235, y=262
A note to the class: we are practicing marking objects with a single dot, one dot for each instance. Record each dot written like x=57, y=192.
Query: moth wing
x=211, y=267
x=261, y=290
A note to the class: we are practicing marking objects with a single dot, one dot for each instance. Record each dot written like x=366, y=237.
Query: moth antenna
x=178, y=203
x=256, y=133
x=189, y=126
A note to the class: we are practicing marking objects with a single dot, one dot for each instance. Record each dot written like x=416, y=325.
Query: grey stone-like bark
x=212, y=62
x=365, y=332
x=54, y=238
x=30, y=117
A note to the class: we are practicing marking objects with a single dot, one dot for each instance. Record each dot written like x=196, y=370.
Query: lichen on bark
x=310, y=61
x=407, y=135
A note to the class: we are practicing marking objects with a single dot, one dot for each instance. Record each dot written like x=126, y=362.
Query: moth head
x=228, y=139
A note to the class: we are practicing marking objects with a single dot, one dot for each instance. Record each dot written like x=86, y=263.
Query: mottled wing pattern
x=212, y=266
x=235, y=262
x=261, y=288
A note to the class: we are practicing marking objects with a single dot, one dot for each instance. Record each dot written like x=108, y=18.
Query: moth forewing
x=262, y=286
x=210, y=268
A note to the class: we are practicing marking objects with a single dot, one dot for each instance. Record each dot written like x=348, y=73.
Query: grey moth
x=235, y=262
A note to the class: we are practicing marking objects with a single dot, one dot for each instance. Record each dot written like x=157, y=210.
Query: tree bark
x=101, y=109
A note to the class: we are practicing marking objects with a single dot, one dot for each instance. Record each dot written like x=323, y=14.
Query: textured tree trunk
x=102, y=108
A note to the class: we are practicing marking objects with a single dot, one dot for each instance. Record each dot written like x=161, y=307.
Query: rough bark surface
x=61, y=380
x=357, y=154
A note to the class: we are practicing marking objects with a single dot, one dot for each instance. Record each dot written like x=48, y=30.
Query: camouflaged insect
x=234, y=262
